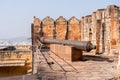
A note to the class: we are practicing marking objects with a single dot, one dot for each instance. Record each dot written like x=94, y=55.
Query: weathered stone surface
x=94, y=67
x=61, y=28
x=93, y=23
x=74, y=29
x=102, y=28
x=66, y=52
x=36, y=25
x=111, y=28
x=48, y=27
x=20, y=77
x=105, y=23
x=16, y=62
x=118, y=67
x=35, y=30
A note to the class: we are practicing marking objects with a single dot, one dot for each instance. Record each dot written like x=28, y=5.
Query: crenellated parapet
x=102, y=28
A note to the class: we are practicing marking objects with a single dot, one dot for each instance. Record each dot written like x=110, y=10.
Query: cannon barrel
x=82, y=45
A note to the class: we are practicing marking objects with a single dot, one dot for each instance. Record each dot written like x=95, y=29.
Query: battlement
x=102, y=28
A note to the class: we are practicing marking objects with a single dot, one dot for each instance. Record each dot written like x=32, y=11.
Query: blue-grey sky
x=16, y=16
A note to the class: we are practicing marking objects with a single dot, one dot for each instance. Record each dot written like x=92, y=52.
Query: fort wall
x=102, y=28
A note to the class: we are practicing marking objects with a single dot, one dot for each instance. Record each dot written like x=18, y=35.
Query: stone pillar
x=90, y=28
x=107, y=31
x=82, y=28
x=36, y=30
x=112, y=28
x=86, y=29
x=35, y=27
x=99, y=32
x=94, y=21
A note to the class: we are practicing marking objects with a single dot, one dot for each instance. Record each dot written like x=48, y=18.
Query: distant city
x=15, y=41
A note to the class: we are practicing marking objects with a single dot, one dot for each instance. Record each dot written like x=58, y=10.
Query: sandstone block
x=68, y=53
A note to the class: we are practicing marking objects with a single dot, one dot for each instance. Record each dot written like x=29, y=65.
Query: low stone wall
x=28, y=47
x=15, y=62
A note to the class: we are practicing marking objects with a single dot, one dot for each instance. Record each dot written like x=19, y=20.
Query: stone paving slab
x=22, y=77
x=91, y=68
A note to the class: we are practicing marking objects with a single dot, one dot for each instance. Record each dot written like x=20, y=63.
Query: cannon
x=82, y=45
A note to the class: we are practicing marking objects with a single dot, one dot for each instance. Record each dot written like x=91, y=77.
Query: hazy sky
x=16, y=16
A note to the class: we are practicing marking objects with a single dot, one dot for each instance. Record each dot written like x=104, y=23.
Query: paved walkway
x=22, y=77
x=91, y=68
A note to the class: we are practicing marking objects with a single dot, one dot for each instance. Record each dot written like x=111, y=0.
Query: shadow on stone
x=96, y=58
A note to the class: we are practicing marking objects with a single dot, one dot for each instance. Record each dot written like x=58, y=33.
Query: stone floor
x=93, y=67
x=21, y=77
